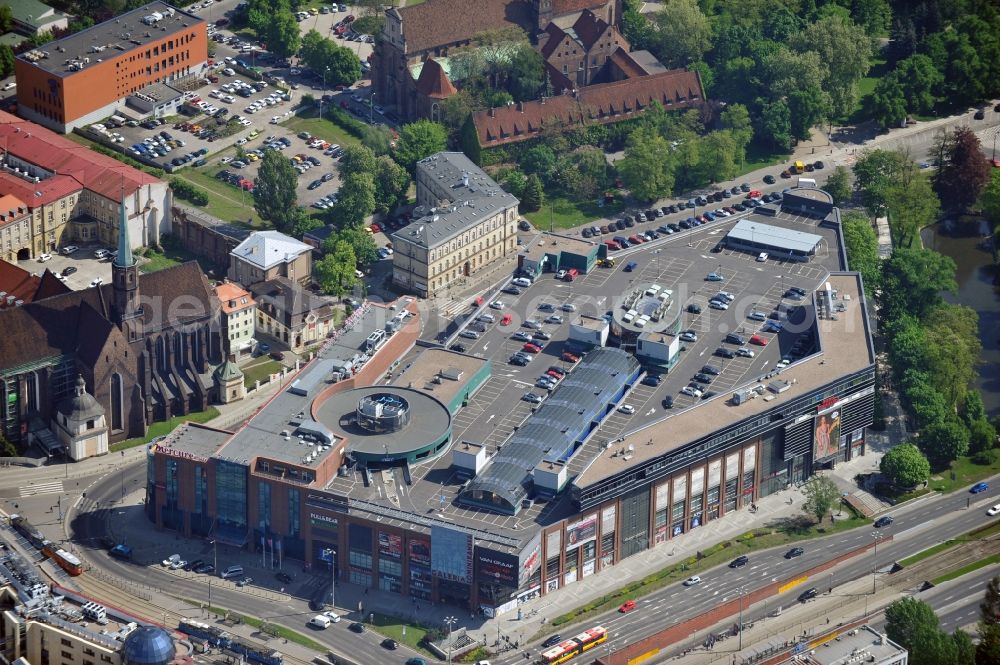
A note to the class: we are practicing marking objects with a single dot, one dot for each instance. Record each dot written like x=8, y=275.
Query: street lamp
x=876, y=535
x=742, y=590
x=450, y=621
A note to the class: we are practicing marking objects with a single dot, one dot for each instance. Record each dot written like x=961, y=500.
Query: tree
x=839, y=185
x=455, y=110
x=905, y=466
x=846, y=51
x=338, y=64
x=282, y=33
x=6, y=60
x=515, y=182
x=944, y=441
x=378, y=139
x=808, y=107
x=982, y=436
x=335, y=272
x=391, y=183
x=821, y=495
x=911, y=205
x=303, y=223
x=789, y=71
x=357, y=159
x=683, y=33
x=361, y=242
x=888, y=102
x=907, y=620
x=775, y=124
x=960, y=65
x=274, y=190
x=953, y=357
x=861, y=243
x=914, y=280
x=357, y=200
x=469, y=141
x=964, y=173
x=417, y=140
x=7, y=449
x=637, y=28
x=988, y=649
x=721, y=156
x=736, y=118
x=646, y=167
x=990, y=197
x=527, y=73
x=990, y=608
x=920, y=80
x=539, y=160
x=873, y=15
x=875, y=172
x=534, y=196
x=6, y=19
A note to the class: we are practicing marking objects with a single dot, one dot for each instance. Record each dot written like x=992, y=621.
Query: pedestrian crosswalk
x=449, y=308
x=50, y=487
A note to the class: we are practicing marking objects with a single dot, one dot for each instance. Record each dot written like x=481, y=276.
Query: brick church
x=146, y=346
x=410, y=65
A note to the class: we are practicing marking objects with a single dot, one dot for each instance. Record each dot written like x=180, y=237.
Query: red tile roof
x=600, y=104
x=76, y=166
x=18, y=282
x=570, y=6
x=12, y=209
x=230, y=293
x=589, y=28
x=433, y=82
x=439, y=22
x=627, y=63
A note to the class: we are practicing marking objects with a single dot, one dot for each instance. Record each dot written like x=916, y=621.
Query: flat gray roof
x=473, y=197
x=853, y=646
x=196, y=440
x=420, y=374
x=112, y=38
x=759, y=233
x=429, y=421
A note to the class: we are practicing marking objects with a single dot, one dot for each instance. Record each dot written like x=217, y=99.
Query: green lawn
x=964, y=570
x=963, y=472
x=759, y=158
x=781, y=533
x=981, y=533
x=224, y=201
x=402, y=632
x=321, y=127
x=867, y=86
x=173, y=254
x=259, y=371
x=164, y=428
x=561, y=213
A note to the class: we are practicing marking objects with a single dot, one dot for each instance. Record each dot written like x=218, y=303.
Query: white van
x=320, y=621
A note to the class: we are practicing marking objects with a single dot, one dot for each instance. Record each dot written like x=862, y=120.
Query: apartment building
x=90, y=75
x=265, y=255
x=239, y=311
x=464, y=225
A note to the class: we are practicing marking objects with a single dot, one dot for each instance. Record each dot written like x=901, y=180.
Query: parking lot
x=679, y=262
x=85, y=267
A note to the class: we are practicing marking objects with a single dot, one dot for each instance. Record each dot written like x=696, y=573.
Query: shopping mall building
x=354, y=463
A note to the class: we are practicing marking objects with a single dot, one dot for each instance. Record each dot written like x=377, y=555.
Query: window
x=65, y=642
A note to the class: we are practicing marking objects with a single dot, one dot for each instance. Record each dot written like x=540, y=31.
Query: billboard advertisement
x=531, y=560
x=451, y=554
x=499, y=567
x=827, y=440
x=583, y=531
x=420, y=551
x=390, y=544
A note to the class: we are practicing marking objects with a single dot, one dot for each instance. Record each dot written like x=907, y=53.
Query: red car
x=376, y=228
x=531, y=348
x=995, y=163
x=505, y=321
x=754, y=195
x=627, y=606
x=554, y=375
x=758, y=340
x=570, y=357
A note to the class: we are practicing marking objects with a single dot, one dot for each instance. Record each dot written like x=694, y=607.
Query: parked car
x=808, y=594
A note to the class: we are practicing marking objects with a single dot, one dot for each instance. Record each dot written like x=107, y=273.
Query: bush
x=188, y=192
x=987, y=457
x=343, y=119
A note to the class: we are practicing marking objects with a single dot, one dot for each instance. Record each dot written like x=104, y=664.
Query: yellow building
x=464, y=225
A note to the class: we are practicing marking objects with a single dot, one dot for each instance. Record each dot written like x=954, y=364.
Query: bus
x=573, y=647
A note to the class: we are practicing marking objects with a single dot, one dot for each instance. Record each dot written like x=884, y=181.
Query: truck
x=799, y=167
x=807, y=182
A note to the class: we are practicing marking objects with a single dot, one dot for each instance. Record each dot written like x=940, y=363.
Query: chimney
x=543, y=99
x=520, y=107
x=493, y=112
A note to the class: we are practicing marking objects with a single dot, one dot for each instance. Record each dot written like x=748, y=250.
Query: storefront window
x=231, y=494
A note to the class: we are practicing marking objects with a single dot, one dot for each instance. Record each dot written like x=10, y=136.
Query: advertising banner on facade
x=499, y=567
x=531, y=560
x=390, y=545
x=420, y=551
x=582, y=532
x=827, y=440
x=451, y=554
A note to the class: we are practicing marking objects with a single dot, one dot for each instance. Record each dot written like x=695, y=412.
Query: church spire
x=124, y=259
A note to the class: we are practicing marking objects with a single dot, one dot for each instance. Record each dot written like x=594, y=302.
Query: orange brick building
x=94, y=73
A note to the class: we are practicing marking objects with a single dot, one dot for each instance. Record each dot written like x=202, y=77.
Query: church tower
x=125, y=279
x=543, y=13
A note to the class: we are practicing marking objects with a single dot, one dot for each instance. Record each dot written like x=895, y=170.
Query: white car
x=561, y=274
x=225, y=160
x=745, y=352
x=97, y=281
x=995, y=510
x=497, y=304
x=523, y=282
x=469, y=334
x=718, y=304
x=42, y=258
x=762, y=257
x=177, y=565
x=626, y=408
x=332, y=616
x=691, y=581
x=689, y=336
x=689, y=390
x=169, y=561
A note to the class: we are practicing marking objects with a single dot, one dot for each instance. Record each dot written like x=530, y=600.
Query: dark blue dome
x=147, y=645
